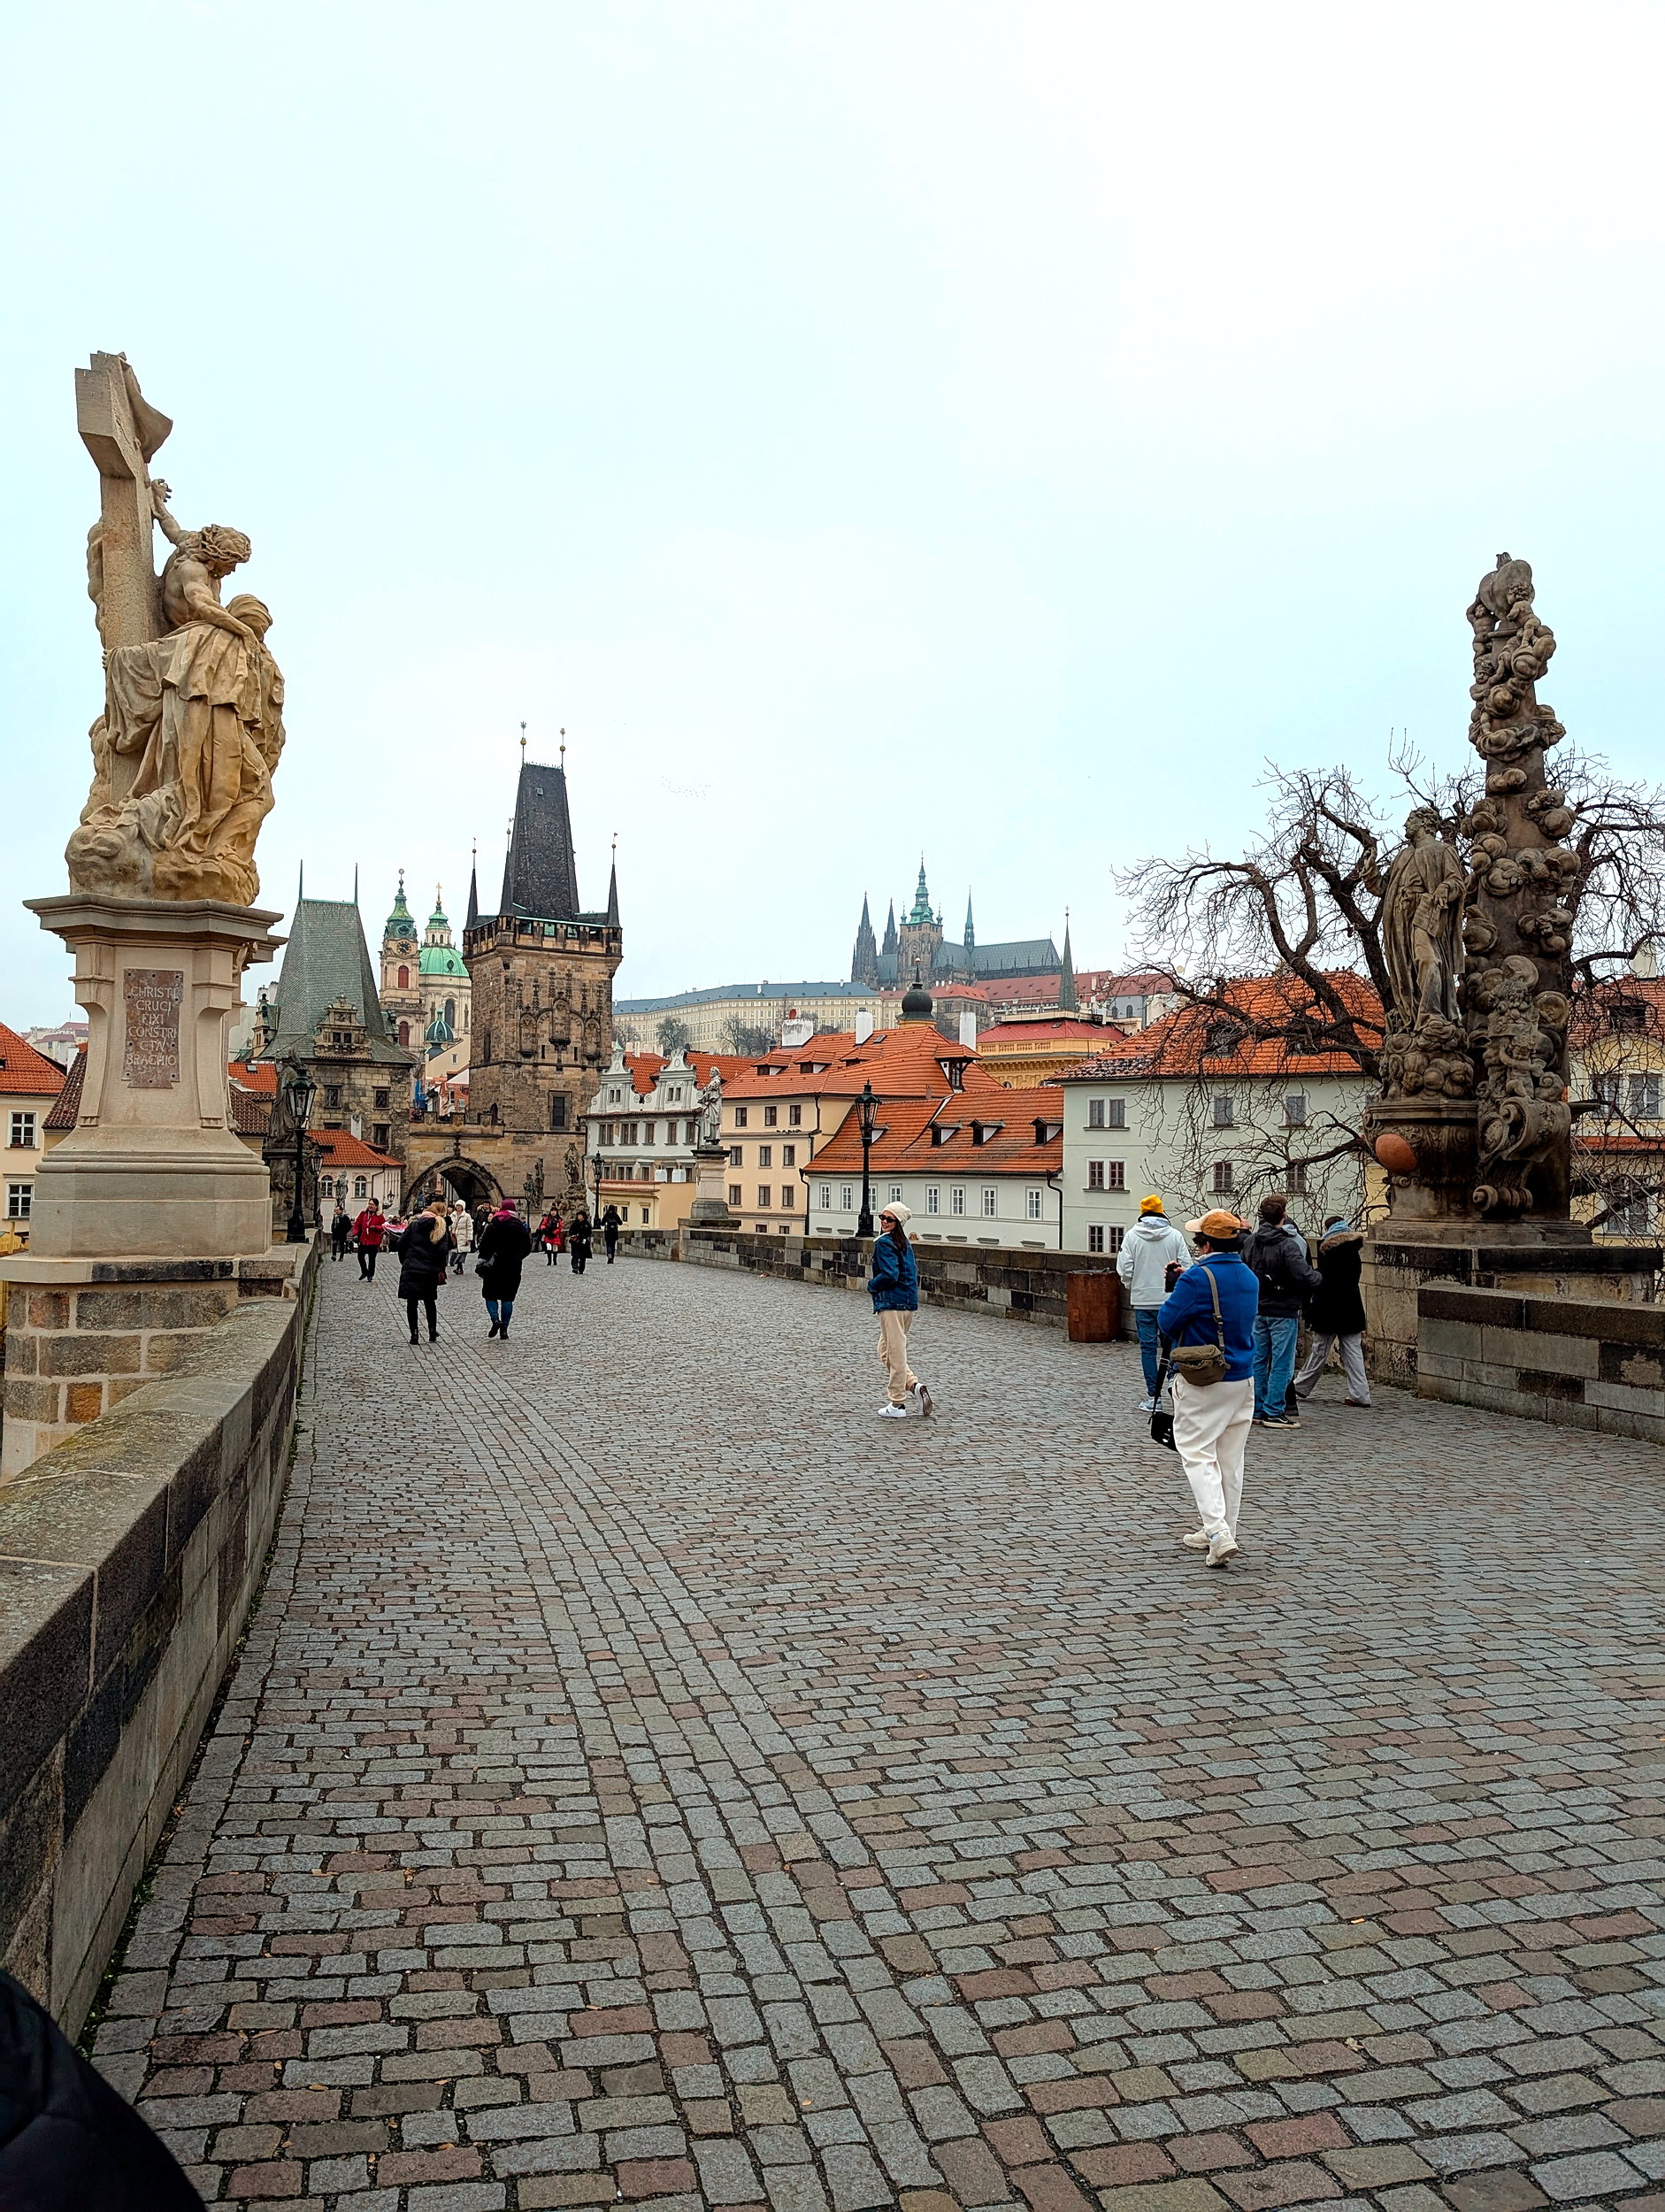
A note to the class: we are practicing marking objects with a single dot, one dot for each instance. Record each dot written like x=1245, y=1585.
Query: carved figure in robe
x=1421, y=919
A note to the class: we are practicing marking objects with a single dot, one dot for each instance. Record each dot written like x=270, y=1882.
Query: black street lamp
x=596, y=1217
x=299, y=1091
x=867, y=1112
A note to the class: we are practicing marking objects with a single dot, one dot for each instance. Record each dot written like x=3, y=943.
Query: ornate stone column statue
x=1473, y=1124
x=710, y=1208
x=152, y=1184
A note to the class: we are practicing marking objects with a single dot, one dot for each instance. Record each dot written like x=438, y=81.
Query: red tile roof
x=257, y=1075
x=647, y=1067
x=25, y=1072
x=900, y=1063
x=250, y=1113
x=1063, y=1028
x=67, y=1106
x=341, y=1149
x=1179, y=1044
x=1008, y=1117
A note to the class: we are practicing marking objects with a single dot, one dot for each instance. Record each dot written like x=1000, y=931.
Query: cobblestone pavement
x=651, y=1777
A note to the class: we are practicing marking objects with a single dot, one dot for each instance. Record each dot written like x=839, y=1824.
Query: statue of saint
x=1421, y=920
x=710, y=1105
x=193, y=719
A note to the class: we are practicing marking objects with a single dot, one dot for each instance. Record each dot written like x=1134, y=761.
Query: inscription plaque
x=151, y=1060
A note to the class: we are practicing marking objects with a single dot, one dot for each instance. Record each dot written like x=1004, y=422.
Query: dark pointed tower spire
x=1066, y=1000
x=922, y=897
x=612, y=888
x=540, y=877
x=864, y=959
x=473, y=885
x=970, y=932
x=890, y=942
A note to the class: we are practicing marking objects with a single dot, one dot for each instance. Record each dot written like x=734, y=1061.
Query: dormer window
x=943, y=1131
x=954, y=1070
x=1223, y=1038
x=1048, y=1131
x=982, y=1132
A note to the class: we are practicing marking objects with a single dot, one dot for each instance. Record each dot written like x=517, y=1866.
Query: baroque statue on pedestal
x=193, y=724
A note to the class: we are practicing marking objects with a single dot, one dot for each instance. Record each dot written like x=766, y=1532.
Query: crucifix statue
x=192, y=725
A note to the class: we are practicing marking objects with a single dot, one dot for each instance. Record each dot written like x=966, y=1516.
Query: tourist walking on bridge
x=1336, y=1312
x=368, y=1232
x=504, y=1243
x=1210, y=1311
x=424, y=1246
x=1152, y=1250
x=894, y=1285
x=577, y=1241
x=612, y=1222
x=548, y=1235
x=462, y=1234
x=341, y=1231
x=1276, y=1256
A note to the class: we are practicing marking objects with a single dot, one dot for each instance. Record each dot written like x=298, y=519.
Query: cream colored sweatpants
x=892, y=1349
x=1211, y=1428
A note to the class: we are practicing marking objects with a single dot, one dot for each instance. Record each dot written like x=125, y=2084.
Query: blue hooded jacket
x=1187, y=1313
x=895, y=1281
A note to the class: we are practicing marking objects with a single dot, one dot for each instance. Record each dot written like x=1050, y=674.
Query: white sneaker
x=892, y=1413
x=1221, y=1549
x=1197, y=1540
x=1148, y=1405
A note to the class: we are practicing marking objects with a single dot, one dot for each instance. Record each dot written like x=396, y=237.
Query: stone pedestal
x=710, y=1207
x=153, y=1168
x=1400, y=1263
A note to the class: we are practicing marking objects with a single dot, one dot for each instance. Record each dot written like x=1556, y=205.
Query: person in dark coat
x=1277, y=1256
x=1336, y=1312
x=341, y=1231
x=612, y=1222
x=424, y=1246
x=68, y=2143
x=577, y=1241
x=503, y=1247
x=894, y=1286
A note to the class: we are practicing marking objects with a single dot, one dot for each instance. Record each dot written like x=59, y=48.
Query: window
x=786, y=1198
x=382, y=1135
x=1297, y=1179
x=1032, y=1205
x=990, y=1203
x=1628, y=1217
x=956, y=1201
x=1095, y=1175
x=846, y=1198
x=557, y=1111
x=739, y=1117
x=1222, y=1178
x=327, y=1186
x=1114, y=1237
x=19, y=1198
x=1224, y=1110
x=794, y=1117
x=934, y=1200
x=765, y=1155
x=734, y=1193
x=771, y=1116
x=1645, y=1091
x=765, y=1196
x=1116, y=1113
x=1095, y=1237
x=645, y=1213
x=895, y=1193
x=1605, y=1088
x=382, y=1097
x=404, y=978
x=737, y=1155
x=23, y=1130
x=825, y=1201
x=1295, y=1108
x=332, y=1093
x=361, y=1187
x=1116, y=1174
x=614, y=1098
x=404, y=1032
x=451, y=1013
x=1095, y=1120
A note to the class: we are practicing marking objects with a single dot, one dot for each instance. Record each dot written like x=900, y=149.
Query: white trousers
x=1351, y=1351
x=1211, y=1429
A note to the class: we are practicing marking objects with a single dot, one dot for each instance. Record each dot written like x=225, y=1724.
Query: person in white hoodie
x=1152, y=1246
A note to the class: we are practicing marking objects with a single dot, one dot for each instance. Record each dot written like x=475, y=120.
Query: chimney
x=968, y=1027
x=864, y=1026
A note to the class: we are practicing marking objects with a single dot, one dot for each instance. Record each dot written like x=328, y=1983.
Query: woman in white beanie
x=894, y=1285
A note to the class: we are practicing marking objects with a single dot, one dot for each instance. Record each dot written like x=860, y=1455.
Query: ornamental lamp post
x=867, y=1114
x=299, y=1091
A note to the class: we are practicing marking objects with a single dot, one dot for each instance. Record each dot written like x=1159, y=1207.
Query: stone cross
x=122, y=431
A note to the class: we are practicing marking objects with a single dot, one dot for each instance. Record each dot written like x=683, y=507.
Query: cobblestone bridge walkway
x=652, y=1778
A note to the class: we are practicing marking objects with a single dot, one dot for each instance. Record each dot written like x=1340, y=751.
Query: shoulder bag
x=1203, y=1364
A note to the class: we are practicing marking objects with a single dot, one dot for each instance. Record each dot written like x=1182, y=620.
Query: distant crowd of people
x=435, y=1242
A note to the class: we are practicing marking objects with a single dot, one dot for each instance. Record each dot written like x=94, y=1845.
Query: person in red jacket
x=368, y=1232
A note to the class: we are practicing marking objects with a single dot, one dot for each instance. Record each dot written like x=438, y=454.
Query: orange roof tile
x=1179, y=1043
x=1063, y=1028
x=341, y=1149
x=67, y=1106
x=25, y=1072
x=647, y=1067
x=902, y=1062
x=915, y=1136
x=255, y=1075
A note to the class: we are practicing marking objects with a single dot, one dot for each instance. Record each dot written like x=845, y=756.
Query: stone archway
x=466, y=1179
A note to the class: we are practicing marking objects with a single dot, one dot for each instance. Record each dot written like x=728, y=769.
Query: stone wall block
x=83, y=1402
x=23, y=1351
x=155, y=1306
x=1451, y=1340
x=82, y=1353
x=1625, y=1398
x=115, y=1525
x=1540, y=1348
x=32, y=1401
x=46, y=1639
x=49, y=1309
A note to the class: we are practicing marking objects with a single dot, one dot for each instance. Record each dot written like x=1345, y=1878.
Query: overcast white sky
x=988, y=428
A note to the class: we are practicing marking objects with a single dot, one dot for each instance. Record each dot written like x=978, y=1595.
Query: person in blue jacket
x=1212, y=1421
x=894, y=1284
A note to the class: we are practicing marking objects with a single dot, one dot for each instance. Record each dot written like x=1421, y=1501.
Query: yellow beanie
x=1151, y=1205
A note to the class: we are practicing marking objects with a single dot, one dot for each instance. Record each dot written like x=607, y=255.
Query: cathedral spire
x=1068, y=1002
x=864, y=959
x=890, y=942
x=473, y=887
x=971, y=933
x=922, y=898
x=612, y=888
